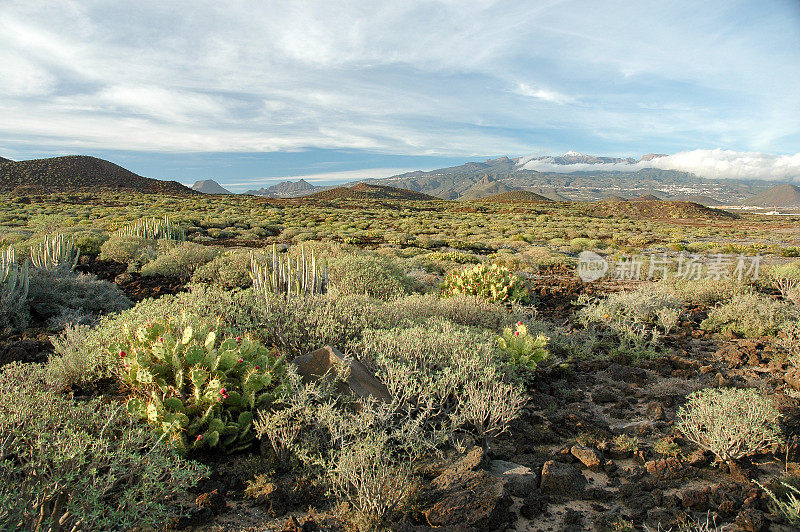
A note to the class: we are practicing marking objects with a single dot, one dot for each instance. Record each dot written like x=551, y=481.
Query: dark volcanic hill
x=658, y=210
x=516, y=196
x=4, y=160
x=786, y=196
x=286, y=189
x=370, y=191
x=209, y=186
x=80, y=172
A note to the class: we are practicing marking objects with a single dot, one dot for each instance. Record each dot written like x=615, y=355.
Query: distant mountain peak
x=573, y=153
x=209, y=186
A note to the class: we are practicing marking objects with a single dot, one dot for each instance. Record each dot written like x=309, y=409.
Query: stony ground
x=594, y=449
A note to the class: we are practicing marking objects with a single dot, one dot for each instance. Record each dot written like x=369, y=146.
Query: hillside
x=287, y=189
x=370, y=191
x=209, y=186
x=79, y=172
x=516, y=196
x=658, y=210
x=4, y=160
x=698, y=198
x=786, y=196
x=486, y=186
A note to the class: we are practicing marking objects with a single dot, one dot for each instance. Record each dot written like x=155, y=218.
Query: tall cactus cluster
x=55, y=253
x=153, y=228
x=13, y=289
x=196, y=389
x=287, y=277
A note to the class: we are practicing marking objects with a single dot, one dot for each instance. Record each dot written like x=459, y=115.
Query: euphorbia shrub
x=195, y=388
x=494, y=282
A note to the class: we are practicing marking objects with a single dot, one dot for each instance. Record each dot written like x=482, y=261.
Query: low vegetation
x=166, y=364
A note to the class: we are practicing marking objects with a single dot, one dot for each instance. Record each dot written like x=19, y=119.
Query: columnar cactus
x=283, y=278
x=13, y=284
x=55, y=253
x=196, y=389
x=494, y=282
x=153, y=228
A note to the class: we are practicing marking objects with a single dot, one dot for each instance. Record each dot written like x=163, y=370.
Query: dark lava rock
x=468, y=499
x=519, y=480
x=591, y=458
x=461, y=496
x=562, y=480
x=24, y=350
x=213, y=501
x=627, y=374
x=272, y=497
x=573, y=521
x=669, y=469
x=695, y=500
x=751, y=520
x=534, y=504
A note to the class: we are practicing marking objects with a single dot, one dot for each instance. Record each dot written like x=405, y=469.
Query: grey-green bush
x=54, y=294
x=365, y=274
x=80, y=465
x=128, y=249
x=179, y=260
x=228, y=270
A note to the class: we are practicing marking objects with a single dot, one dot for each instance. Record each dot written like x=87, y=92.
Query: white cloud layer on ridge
x=711, y=164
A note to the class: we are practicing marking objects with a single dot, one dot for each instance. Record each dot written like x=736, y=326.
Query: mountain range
x=501, y=178
x=286, y=189
x=493, y=176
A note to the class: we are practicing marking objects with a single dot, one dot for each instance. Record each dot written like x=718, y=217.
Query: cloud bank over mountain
x=711, y=164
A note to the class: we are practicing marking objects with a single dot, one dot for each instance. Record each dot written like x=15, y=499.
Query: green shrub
x=749, y=314
x=642, y=306
x=451, y=370
x=363, y=274
x=731, y=423
x=461, y=309
x=494, y=282
x=89, y=243
x=61, y=295
x=228, y=270
x=197, y=391
x=521, y=348
x=704, y=292
x=128, y=249
x=788, y=505
x=179, y=260
x=81, y=465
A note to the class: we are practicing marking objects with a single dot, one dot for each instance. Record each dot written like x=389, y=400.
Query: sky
x=249, y=92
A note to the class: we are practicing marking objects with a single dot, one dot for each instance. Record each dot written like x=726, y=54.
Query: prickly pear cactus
x=494, y=282
x=196, y=388
x=522, y=348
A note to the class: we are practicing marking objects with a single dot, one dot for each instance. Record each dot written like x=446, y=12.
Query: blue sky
x=245, y=92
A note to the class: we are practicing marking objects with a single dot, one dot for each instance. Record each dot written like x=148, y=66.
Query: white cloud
x=711, y=164
x=544, y=94
x=411, y=77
